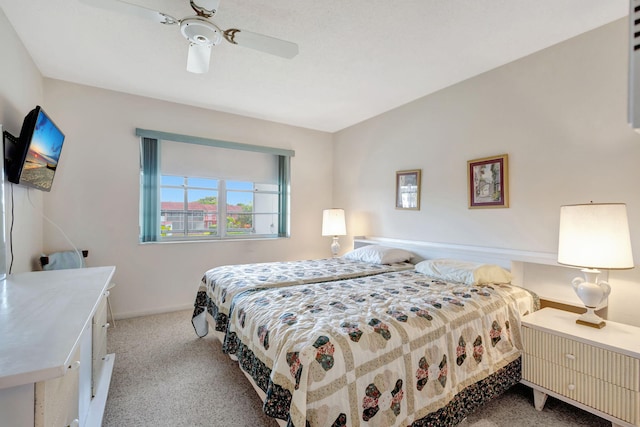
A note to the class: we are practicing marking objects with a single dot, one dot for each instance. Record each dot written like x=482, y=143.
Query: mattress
x=219, y=285
x=394, y=349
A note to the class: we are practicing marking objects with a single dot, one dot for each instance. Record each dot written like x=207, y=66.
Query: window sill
x=244, y=239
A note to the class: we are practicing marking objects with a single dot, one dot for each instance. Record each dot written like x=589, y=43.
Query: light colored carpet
x=165, y=375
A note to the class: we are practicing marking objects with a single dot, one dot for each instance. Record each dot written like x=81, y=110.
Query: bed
x=420, y=347
x=220, y=285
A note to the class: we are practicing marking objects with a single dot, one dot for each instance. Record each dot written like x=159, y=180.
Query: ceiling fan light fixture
x=198, y=58
x=200, y=31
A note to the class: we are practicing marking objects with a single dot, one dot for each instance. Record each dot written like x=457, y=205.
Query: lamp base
x=599, y=325
x=590, y=318
x=592, y=293
x=335, y=247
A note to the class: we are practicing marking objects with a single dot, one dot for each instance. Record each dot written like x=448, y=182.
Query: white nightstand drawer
x=612, y=367
x=617, y=401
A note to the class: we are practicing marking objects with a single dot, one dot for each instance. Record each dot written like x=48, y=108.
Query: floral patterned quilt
x=385, y=350
x=219, y=285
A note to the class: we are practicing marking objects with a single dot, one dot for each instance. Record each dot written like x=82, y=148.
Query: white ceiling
x=358, y=58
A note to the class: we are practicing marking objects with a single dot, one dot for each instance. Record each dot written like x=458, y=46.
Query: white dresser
x=597, y=370
x=54, y=370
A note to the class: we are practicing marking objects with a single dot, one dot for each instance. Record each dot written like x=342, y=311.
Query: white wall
x=95, y=195
x=21, y=90
x=560, y=114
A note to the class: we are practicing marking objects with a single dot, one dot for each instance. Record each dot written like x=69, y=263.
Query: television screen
x=33, y=159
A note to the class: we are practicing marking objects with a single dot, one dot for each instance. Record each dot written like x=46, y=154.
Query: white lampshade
x=595, y=236
x=333, y=223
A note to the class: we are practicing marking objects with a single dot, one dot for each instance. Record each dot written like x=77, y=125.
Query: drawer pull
x=75, y=365
x=105, y=358
x=571, y=387
x=106, y=325
x=75, y=423
x=106, y=293
x=570, y=356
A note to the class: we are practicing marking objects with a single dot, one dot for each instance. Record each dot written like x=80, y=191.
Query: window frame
x=150, y=188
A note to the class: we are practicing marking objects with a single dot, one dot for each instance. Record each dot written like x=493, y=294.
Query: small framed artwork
x=488, y=182
x=408, y=189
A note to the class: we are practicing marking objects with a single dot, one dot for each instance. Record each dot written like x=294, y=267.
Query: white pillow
x=377, y=254
x=470, y=273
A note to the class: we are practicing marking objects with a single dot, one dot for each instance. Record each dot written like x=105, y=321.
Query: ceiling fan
x=201, y=32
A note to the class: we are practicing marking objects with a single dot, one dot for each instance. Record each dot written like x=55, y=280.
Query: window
x=188, y=207
x=195, y=189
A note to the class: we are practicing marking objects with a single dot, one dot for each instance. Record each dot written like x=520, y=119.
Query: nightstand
x=597, y=370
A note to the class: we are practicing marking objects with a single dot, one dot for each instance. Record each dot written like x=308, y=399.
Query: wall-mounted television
x=32, y=158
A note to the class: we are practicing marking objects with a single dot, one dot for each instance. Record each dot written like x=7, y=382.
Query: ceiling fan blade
x=261, y=42
x=198, y=58
x=133, y=9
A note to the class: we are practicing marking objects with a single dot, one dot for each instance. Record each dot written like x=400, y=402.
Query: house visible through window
x=188, y=206
x=194, y=189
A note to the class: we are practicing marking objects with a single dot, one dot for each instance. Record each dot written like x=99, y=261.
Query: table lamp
x=333, y=224
x=594, y=236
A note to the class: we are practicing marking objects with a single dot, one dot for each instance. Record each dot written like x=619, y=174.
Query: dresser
x=54, y=369
x=597, y=370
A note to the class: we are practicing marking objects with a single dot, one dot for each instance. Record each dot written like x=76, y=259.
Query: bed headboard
x=537, y=271
x=430, y=250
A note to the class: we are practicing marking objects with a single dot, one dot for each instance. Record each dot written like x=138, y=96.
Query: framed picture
x=488, y=182
x=408, y=189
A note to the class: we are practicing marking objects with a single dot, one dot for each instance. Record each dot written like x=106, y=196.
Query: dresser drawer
x=56, y=400
x=617, y=401
x=101, y=312
x=612, y=367
x=96, y=369
x=99, y=343
x=100, y=327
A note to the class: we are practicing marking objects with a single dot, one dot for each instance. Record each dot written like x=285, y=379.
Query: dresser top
x=42, y=315
x=614, y=336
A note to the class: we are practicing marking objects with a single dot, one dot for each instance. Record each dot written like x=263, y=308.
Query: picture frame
x=488, y=182
x=408, y=189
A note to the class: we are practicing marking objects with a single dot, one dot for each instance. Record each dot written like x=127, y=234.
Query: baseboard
x=141, y=313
